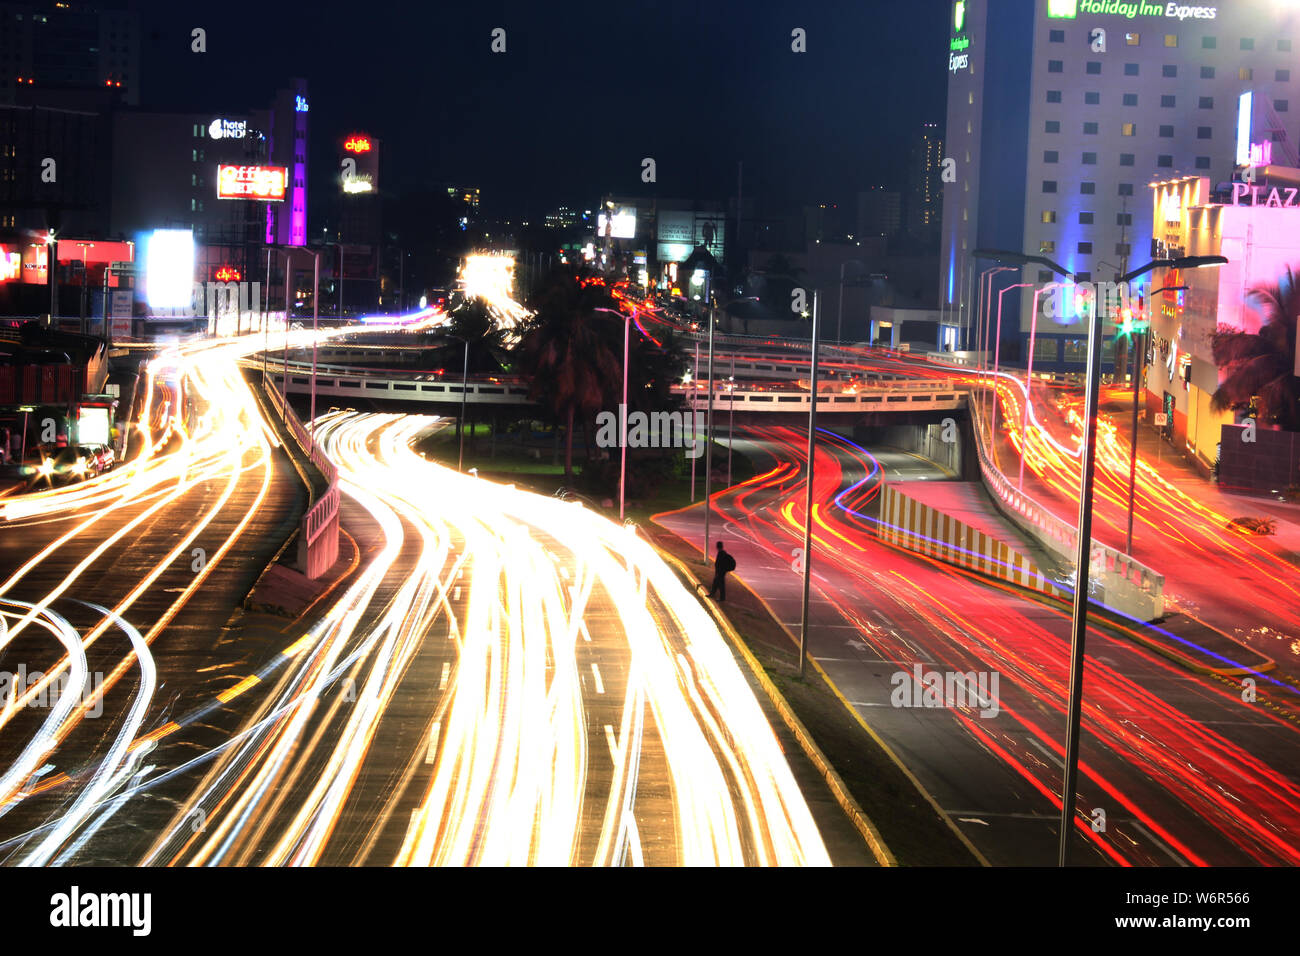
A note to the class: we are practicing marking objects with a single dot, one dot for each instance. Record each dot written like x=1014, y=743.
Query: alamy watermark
x=14, y=685
x=652, y=430
x=948, y=689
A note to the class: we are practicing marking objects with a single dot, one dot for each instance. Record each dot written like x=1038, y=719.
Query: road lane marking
x=612, y=741
x=600, y=685
x=431, y=753
x=226, y=696
x=446, y=670
x=1050, y=756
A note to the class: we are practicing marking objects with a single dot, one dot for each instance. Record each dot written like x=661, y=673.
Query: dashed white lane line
x=431, y=753
x=446, y=671
x=595, y=671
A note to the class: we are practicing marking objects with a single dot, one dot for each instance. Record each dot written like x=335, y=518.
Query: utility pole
x=808, y=498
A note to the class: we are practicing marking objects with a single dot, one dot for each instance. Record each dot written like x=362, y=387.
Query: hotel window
x=1085, y=219
x=1165, y=162
x=1284, y=46
x=1046, y=246
x=1076, y=350
x=1245, y=73
x=194, y=179
x=964, y=216
x=1168, y=70
x=1132, y=39
x=1091, y=99
x=970, y=97
x=1093, y=67
x=1126, y=159
x=1053, y=96
x=1204, y=132
x=1171, y=39
x=1051, y=156
x=1124, y=219
x=1208, y=43
x=1045, y=349
x=1130, y=99
x=1049, y=216
x=1207, y=72
x=1085, y=248
x=1282, y=76
x=1167, y=102
x=1055, y=66
x=1090, y=129
x=1247, y=44
x=1044, y=275
x=1205, y=103
x=1090, y=159
x=1130, y=129
x=1053, y=126
x=1087, y=188
x=1083, y=277
x=1056, y=36
x=968, y=127
x=1280, y=105
x=194, y=155
x=1049, y=185
x=1166, y=132
x=1202, y=162
x=1130, y=69
x=1126, y=189
x=1123, y=248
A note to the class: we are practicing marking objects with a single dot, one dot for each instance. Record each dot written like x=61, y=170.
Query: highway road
x=1182, y=768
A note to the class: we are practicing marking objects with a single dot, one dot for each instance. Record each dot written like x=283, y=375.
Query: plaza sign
x=1278, y=198
x=1069, y=9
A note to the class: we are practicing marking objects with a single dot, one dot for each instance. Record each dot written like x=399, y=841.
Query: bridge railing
x=1128, y=584
x=318, y=532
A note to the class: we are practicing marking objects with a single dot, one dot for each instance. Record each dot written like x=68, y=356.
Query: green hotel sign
x=1069, y=9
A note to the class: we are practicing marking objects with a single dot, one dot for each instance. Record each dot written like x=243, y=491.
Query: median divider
x=318, y=534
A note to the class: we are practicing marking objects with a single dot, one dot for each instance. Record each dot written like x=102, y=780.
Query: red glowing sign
x=266, y=183
x=357, y=144
x=11, y=265
x=227, y=274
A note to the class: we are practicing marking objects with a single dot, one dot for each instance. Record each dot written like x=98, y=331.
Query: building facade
x=1060, y=112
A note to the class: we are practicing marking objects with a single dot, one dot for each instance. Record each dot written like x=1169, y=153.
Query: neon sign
x=227, y=274
x=300, y=103
x=252, y=182
x=357, y=144
x=1069, y=9
x=1278, y=197
x=1261, y=154
x=228, y=129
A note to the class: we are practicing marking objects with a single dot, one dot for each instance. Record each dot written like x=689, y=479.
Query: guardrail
x=318, y=532
x=889, y=399
x=1127, y=584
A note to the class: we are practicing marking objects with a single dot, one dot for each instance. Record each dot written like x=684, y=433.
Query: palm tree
x=472, y=322
x=565, y=348
x=1257, y=369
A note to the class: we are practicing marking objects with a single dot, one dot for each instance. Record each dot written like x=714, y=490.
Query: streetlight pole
x=1084, y=549
x=1029, y=383
x=288, y=278
x=997, y=349
x=622, y=442
x=708, y=441
x=464, y=393
x=694, y=394
x=315, y=325
x=808, y=497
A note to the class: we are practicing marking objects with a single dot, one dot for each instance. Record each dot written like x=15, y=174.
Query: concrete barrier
x=318, y=533
x=918, y=527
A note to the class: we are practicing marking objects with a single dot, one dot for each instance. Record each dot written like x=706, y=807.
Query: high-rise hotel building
x=1061, y=112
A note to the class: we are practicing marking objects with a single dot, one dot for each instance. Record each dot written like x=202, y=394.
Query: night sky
x=583, y=92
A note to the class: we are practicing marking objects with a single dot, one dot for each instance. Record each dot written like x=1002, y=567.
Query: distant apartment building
x=57, y=48
x=923, y=201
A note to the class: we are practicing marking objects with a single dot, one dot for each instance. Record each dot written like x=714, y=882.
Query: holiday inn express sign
x=1069, y=9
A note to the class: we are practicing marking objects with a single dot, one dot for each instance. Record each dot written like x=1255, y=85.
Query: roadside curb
x=884, y=856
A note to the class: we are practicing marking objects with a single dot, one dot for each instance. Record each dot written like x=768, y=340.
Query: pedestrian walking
x=723, y=564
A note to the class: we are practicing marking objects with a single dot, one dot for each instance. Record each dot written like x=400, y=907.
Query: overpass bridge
x=867, y=395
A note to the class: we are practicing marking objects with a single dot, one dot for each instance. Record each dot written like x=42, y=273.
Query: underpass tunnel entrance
x=945, y=440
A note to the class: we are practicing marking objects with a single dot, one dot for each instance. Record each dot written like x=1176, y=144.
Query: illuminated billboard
x=93, y=426
x=266, y=183
x=169, y=268
x=11, y=265
x=622, y=225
